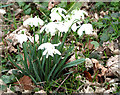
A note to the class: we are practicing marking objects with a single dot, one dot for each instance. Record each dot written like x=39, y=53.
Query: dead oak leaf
x=25, y=83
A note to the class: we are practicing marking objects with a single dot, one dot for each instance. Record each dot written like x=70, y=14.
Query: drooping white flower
x=49, y=28
x=33, y=22
x=2, y=11
x=85, y=27
x=21, y=38
x=62, y=27
x=74, y=19
x=78, y=14
x=49, y=49
x=76, y=25
x=53, y=27
x=57, y=14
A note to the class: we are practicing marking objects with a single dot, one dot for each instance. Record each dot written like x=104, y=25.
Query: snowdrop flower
x=85, y=27
x=49, y=49
x=62, y=27
x=2, y=11
x=49, y=28
x=57, y=14
x=33, y=22
x=76, y=25
x=78, y=14
x=53, y=27
x=21, y=38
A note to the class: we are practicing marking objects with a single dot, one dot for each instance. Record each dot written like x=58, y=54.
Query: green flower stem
x=46, y=68
x=71, y=8
x=34, y=33
x=45, y=15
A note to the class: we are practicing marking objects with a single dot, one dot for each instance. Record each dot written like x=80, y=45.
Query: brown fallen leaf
x=100, y=70
x=108, y=52
x=99, y=66
x=52, y=3
x=113, y=65
x=25, y=83
x=88, y=76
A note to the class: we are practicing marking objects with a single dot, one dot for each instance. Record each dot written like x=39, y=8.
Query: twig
x=62, y=82
x=18, y=82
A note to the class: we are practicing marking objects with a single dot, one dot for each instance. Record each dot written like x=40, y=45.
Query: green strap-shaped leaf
x=9, y=57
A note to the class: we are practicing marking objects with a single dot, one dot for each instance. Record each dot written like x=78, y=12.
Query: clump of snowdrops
x=45, y=54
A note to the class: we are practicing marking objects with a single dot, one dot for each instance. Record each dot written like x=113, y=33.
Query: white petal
x=57, y=44
x=56, y=14
x=45, y=52
x=85, y=27
x=47, y=56
x=41, y=47
x=2, y=11
x=33, y=22
x=80, y=31
x=42, y=29
x=56, y=52
x=49, y=49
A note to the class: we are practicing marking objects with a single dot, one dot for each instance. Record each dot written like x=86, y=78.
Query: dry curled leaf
x=88, y=76
x=100, y=70
x=25, y=83
x=88, y=63
x=99, y=66
x=113, y=65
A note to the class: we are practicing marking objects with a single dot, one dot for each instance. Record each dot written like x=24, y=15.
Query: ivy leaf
x=104, y=37
x=95, y=43
x=6, y=79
